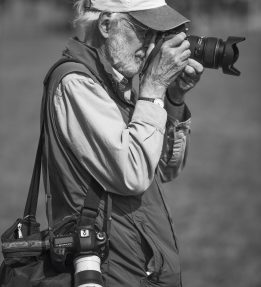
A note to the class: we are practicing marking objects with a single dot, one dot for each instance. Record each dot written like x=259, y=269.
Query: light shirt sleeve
x=121, y=156
x=176, y=143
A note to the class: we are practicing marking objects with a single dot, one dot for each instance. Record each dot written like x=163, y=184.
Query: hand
x=166, y=66
x=185, y=81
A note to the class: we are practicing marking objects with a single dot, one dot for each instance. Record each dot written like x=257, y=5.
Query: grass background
x=216, y=201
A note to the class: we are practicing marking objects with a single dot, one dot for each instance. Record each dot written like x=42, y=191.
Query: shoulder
x=78, y=85
x=74, y=83
x=76, y=78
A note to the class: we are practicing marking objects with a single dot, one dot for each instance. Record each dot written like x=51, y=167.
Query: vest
x=140, y=224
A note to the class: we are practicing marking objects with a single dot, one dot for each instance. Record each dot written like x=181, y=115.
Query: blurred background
x=216, y=201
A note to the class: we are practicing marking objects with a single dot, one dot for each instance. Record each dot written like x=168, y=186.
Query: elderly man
x=125, y=133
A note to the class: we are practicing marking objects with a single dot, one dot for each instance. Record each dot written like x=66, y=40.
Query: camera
x=86, y=247
x=211, y=52
x=81, y=246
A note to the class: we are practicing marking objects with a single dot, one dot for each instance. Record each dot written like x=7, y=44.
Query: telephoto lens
x=87, y=271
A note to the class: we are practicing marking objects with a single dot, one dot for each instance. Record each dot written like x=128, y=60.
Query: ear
x=105, y=24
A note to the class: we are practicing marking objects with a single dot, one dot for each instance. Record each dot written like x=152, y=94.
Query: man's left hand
x=185, y=81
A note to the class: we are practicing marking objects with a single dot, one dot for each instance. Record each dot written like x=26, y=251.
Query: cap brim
x=160, y=19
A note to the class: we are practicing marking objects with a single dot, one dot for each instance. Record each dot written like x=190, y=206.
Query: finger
x=196, y=65
x=175, y=150
x=185, y=56
x=151, y=44
x=179, y=146
x=180, y=134
x=178, y=150
x=188, y=80
x=178, y=143
x=179, y=140
x=176, y=40
x=190, y=70
x=185, y=45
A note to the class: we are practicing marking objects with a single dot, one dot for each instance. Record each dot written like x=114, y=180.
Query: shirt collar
x=123, y=83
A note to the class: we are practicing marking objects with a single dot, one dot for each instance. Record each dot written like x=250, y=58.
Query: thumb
x=151, y=44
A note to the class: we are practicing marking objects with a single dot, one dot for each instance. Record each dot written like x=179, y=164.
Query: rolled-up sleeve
x=121, y=156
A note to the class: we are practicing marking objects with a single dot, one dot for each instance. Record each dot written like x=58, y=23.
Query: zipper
x=25, y=246
x=19, y=229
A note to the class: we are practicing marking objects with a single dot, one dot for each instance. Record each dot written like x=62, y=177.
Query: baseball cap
x=155, y=14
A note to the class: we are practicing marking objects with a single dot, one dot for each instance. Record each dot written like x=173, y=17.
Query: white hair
x=84, y=17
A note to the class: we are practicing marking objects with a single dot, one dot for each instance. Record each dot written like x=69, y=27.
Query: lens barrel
x=211, y=52
x=207, y=51
x=214, y=53
x=87, y=271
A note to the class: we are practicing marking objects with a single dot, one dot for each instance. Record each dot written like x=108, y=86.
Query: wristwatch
x=155, y=101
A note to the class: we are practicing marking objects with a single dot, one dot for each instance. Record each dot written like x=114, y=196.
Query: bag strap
x=58, y=71
x=33, y=193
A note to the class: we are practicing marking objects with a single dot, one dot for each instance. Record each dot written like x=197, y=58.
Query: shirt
x=121, y=157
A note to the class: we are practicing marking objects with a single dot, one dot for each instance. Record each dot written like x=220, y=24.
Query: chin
x=132, y=73
x=129, y=73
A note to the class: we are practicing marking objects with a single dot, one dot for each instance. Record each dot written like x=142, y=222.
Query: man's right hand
x=165, y=67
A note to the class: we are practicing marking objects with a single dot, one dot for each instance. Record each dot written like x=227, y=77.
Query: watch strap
x=156, y=101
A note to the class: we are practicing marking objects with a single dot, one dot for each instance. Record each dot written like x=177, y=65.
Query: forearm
x=121, y=156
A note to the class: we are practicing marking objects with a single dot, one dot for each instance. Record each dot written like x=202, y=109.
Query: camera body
x=86, y=248
x=83, y=241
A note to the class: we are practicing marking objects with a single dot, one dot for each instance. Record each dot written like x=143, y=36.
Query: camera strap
x=152, y=55
x=160, y=39
x=90, y=209
x=91, y=203
x=33, y=193
x=95, y=191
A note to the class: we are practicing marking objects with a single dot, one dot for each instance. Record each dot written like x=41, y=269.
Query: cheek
x=122, y=51
x=131, y=41
x=124, y=48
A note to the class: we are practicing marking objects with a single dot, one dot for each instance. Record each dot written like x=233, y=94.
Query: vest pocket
x=155, y=263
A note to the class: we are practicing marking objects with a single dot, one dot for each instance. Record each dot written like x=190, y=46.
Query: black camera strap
x=33, y=193
x=32, y=197
x=90, y=209
x=152, y=55
x=91, y=204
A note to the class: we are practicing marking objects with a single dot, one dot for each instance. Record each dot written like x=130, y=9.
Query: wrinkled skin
x=127, y=48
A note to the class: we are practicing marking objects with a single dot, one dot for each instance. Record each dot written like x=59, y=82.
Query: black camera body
x=211, y=52
x=85, y=248
x=83, y=242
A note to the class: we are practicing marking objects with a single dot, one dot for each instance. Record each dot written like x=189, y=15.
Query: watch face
x=159, y=102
